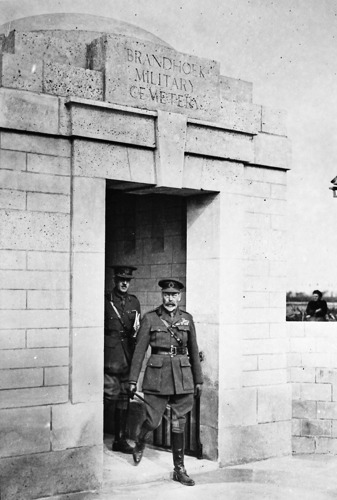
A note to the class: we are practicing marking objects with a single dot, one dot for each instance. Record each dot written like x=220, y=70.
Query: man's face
x=171, y=300
x=122, y=284
x=315, y=297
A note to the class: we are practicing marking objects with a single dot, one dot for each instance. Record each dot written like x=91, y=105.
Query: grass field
x=296, y=311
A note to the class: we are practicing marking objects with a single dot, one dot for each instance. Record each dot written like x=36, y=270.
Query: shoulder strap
x=118, y=315
x=172, y=332
x=136, y=324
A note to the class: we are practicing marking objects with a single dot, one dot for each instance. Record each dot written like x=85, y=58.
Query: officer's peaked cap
x=124, y=271
x=170, y=285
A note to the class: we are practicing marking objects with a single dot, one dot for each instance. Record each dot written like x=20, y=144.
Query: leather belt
x=171, y=351
x=122, y=335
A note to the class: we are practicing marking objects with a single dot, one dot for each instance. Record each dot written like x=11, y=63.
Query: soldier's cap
x=124, y=271
x=170, y=285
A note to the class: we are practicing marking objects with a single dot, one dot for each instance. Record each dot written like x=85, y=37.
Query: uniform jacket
x=165, y=374
x=119, y=338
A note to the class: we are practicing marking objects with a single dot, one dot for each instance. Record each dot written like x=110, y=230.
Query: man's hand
x=198, y=390
x=132, y=389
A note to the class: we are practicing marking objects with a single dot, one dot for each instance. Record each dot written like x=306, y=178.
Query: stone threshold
x=119, y=470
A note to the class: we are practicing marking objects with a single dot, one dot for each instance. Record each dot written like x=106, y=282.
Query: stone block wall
x=35, y=411
x=221, y=172
x=257, y=408
x=149, y=233
x=313, y=376
x=260, y=411
x=35, y=263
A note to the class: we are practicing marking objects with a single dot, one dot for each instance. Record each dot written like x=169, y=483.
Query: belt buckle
x=173, y=351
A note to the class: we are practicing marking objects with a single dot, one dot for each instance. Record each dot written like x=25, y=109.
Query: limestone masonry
x=115, y=146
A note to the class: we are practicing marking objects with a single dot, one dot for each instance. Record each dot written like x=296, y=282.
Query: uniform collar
x=119, y=295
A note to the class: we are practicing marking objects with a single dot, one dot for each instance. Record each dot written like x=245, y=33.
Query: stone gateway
x=114, y=148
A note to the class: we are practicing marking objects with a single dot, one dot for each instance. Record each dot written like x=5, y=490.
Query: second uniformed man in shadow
x=121, y=323
x=173, y=372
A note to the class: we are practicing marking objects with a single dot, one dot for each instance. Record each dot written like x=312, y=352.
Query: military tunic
x=119, y=342
x=166, y=374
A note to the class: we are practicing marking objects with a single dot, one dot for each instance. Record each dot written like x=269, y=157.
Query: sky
x=288, y=49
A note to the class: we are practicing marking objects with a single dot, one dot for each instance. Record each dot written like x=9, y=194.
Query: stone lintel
x=129, y=125
x=221, y=125
x=113, y=161
x=70, y=101
x=114, y=124
x=218, y=142
x=235, y=124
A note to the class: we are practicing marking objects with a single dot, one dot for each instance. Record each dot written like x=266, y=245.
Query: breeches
x=115, y=389
x=181, y=404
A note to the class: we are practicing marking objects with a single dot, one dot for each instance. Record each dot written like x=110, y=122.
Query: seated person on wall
x=121, y=323
x=317, y=308
x=173, y=373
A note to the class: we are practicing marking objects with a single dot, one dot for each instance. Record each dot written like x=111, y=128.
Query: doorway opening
x=148, y=231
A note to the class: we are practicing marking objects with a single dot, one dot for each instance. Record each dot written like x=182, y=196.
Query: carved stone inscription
x=146, y=75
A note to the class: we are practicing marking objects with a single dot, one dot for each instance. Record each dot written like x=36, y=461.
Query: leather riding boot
x=109, y=415
x=179, y=472
x=120, y=443
x=138, y=450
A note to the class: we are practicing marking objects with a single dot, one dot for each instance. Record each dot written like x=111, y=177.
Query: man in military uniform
x=121, y=322
x=173, y=372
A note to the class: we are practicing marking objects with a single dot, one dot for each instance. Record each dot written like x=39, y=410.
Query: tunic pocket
x=160, y=337
x=113, y=323
x=184, y=331
x=153, y=374
x=186, y=374
x=114, y=357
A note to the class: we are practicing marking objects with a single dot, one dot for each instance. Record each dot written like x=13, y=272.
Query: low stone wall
x=312, y=363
